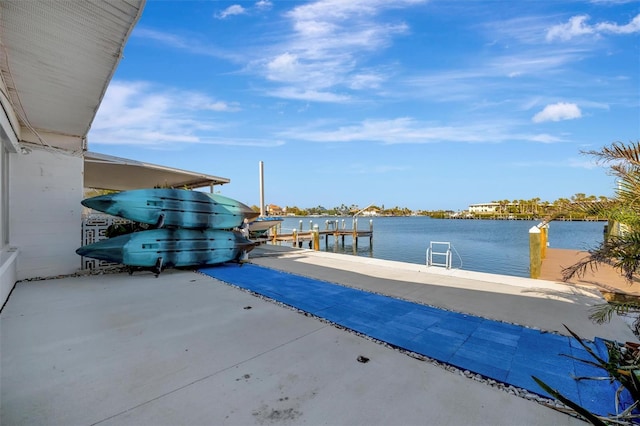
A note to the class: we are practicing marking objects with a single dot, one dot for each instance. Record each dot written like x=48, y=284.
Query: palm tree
x=621, y=250
x=545, y=207
x=505, y=205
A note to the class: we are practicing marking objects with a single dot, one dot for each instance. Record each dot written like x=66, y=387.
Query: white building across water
x=484, y=208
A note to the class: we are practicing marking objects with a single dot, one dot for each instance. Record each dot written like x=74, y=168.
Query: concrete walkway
x=508, y=353
x=538, y=304
x=188, y=349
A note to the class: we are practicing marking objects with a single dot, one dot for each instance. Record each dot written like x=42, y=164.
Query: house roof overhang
x=56, y=61
x=103, y=171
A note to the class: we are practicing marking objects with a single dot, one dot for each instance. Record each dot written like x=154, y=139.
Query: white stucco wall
x=8, y=272
x=8, y=148
x=45, y=212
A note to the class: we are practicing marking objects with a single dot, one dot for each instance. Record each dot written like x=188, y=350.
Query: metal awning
x=103, y=171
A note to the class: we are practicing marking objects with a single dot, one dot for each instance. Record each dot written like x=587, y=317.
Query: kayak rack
x=442, y=250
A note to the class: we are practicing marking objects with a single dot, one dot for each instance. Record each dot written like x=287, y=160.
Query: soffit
x=58, y=57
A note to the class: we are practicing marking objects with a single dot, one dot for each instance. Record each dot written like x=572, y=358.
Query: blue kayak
x=174, y=207
x=160, y=248
x=262, y=224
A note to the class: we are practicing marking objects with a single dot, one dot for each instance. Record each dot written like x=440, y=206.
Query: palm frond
x=592, y=418
x=620, y=251
x=603, y=312
x=618, y=151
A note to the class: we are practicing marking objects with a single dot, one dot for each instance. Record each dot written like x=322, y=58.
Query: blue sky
x=412, y=103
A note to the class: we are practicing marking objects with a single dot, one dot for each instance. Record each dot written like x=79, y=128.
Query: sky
x=425, y=104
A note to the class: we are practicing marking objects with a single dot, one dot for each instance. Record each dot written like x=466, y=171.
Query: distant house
x=273, y=210
x=371, y=212
x=484, y=208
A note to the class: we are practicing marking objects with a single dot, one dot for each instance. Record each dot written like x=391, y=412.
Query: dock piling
x=544, y=240
x=371, y=232
x=535, y=258
x=316, y=238
x=355, y=233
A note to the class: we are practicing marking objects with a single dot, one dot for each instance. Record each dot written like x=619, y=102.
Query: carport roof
x=103, y=171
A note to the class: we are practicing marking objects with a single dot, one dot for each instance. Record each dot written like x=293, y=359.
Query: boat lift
x=439, y=246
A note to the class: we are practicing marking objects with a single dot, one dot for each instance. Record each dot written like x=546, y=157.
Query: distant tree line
x=560, y=209
x=533, y=208
x=538, y=207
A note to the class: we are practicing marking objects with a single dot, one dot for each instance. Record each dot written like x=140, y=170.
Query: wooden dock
x=605, y=278
x=312, y=236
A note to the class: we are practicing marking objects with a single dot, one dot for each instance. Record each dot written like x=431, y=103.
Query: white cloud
x=366, y=81
x=612, y=1
x=563, y=163
x=581, y=163
x=544, y=138
x=263, y=4
x=522, y=29
x=320, y=55
x=487, y=77
x=308, y=95
x=137, y=113
x=330, y=38
x=558, y=112
x=222, y=106
x=531, y=62
x=192, y=45
x=577, y=26
x=406, y=130
x=632, y=27
x=235, y=9
x=341, y=9
x=283, y=67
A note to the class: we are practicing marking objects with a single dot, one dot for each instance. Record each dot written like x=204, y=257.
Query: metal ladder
x=439, y=245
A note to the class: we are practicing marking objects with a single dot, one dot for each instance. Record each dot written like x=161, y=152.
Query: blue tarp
x=504, y=352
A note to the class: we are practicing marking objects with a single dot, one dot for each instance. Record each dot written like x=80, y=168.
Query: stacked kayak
x=174, y=207
x=190, y=228
x=262, y=224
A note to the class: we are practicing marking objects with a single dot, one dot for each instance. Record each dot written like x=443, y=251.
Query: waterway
x=494, y=246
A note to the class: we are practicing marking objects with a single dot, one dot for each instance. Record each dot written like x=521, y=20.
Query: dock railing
x=332, y=228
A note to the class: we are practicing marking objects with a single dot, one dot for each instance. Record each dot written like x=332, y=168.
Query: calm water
x=494, y=246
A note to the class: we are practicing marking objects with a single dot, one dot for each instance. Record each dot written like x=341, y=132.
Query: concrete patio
x=187, y=349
